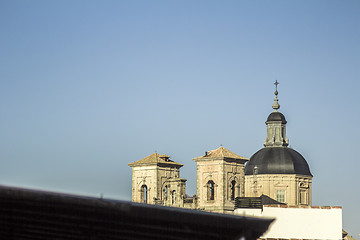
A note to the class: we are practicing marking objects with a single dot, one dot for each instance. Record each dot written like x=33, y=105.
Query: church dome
x=277, y=160
x=276, y=116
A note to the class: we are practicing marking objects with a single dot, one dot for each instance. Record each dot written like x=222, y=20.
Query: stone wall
x=296, y=188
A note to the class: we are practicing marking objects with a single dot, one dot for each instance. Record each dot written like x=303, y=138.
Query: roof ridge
x=153, y=158
x=221, y=152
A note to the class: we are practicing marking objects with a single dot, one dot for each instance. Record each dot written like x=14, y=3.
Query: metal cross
x=276, y=83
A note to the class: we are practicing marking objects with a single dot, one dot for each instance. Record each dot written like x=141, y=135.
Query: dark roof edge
x=12, y=198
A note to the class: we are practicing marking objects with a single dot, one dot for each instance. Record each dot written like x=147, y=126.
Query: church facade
x=277, y=171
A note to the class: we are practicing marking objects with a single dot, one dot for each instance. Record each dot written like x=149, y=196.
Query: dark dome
x=276, y=116
x=277, y=160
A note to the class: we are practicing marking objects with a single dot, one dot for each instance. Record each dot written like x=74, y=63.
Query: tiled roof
x=221, y=152
x=155, y=158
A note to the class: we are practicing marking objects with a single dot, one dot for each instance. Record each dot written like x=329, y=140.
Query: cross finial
x=276, y=83
x=276, y=105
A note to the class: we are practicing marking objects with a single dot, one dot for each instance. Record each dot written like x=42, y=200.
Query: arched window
x=232, y=189
x=173, y=197
x=210, y=190
x=166, y=192
x=144, y=194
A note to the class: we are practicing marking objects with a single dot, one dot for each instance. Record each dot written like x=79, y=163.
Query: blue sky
x=87, y=87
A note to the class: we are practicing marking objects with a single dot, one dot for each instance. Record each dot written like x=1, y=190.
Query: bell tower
x=220, y=179
x=156, y=180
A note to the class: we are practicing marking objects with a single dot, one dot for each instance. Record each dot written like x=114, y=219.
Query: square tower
x=156, y=180
x=220, y=179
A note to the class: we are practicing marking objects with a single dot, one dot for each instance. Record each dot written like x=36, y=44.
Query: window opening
x=280, y=195
x=144, y=193
x=173, y=197
x=211, y=190
x=166, y=192
x=232, y=189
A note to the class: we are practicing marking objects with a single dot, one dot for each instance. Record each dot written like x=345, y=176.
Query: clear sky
x=87, y=87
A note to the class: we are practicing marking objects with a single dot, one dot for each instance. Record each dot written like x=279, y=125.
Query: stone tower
x=220, y=179
x=276, y=170
x=156, y=180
